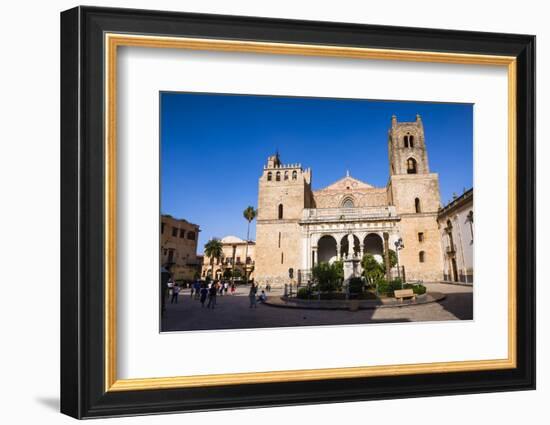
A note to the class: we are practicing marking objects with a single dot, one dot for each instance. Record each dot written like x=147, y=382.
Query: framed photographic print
x=261, y=212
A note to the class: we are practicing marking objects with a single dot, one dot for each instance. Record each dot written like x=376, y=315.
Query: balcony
x=315, y=215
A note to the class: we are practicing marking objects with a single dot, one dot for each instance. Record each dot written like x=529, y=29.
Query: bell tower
x=414, y=191
x=407, y=147
x=284, y=190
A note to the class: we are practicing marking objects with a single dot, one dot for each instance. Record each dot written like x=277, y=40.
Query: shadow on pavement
x=233, y=312
x=459, y=304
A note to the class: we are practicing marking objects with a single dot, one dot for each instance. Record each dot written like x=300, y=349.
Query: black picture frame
x=83, y=392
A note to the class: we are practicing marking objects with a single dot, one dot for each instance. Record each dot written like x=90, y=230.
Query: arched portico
x=326, y=247
x=374, y=245
x=328, y=239
x=346, y=250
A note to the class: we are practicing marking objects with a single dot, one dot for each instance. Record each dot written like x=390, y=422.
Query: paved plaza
x=233, y=312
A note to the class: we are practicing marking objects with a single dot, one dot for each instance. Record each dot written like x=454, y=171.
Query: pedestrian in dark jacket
x=204, y=293
x=212, y=295
x=252, y=295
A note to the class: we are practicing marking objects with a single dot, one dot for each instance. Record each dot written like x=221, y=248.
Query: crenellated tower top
x=407, y=147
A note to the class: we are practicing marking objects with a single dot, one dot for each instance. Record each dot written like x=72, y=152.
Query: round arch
x=326, y=249
x=374, y=245
x=412, y=165
x=345, y=248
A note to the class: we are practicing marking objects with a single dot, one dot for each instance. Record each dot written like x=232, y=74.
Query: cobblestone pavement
x=233, y=312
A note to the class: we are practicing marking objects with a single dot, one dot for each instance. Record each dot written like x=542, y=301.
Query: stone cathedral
x=298, y=227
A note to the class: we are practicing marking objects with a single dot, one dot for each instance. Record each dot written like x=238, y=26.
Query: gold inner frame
x=113, y=41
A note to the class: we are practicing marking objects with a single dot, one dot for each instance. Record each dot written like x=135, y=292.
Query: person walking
x=233, y=288
x=197, y=289
x=225, y=287
x=252, y=295
x=175, y=293
x=170, y=285
x=204, y=293
x=212, y=295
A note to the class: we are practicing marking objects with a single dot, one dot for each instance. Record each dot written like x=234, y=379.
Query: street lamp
x=398, y=246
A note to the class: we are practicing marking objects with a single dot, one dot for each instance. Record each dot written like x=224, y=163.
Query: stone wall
x=404, y=190
x=278, y=248
x=409, y=227
x=374, y=197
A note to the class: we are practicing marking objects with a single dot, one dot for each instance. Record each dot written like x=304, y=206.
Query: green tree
x=249, y=214
x=372, y=269
x=227, y=274
x=213, y=249
x=339, y=267
x=327, y=276
x=393, y=258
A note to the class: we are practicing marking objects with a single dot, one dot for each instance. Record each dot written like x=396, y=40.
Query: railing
x=327, y=214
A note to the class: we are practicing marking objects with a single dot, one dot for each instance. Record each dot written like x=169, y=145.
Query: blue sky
x=214, y=146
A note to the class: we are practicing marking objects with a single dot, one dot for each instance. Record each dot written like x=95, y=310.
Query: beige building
x=237, y=258
x=456, y=225
x=178, y=247
x=297, y=227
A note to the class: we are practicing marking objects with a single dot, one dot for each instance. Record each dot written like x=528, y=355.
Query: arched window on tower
x=280, y=211
x=421, y=256
x=411, y=166
x=286, y=175
x=417, y=207
x=278, y=176
x=294, y=175
x=269, y=176
x=408, y=140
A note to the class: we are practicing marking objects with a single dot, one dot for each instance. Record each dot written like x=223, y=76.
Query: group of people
x=220, y=288
x=210, y=291
x=204, y=292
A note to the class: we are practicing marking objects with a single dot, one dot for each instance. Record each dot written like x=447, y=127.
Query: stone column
x=387, y=255
x=313, y=256
x=338, y=255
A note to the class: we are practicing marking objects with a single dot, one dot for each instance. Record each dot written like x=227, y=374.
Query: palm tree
x=213, y=249
x=249, y=214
